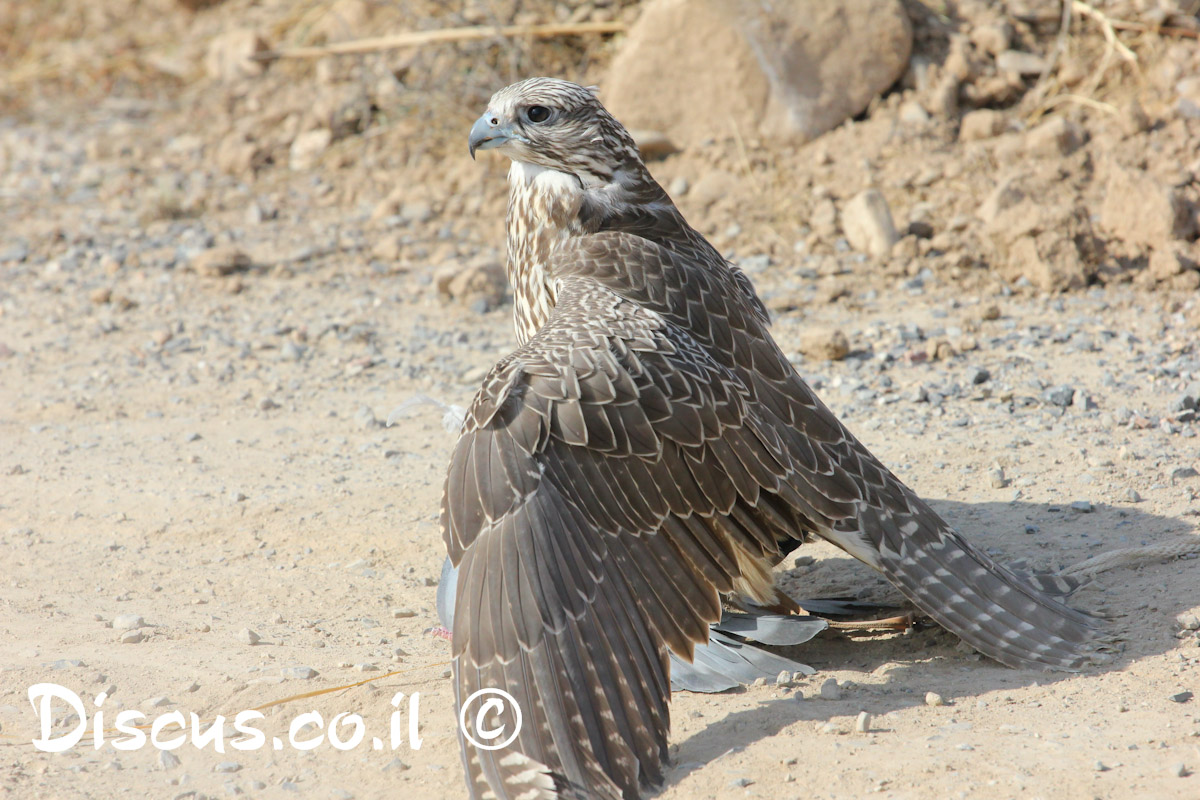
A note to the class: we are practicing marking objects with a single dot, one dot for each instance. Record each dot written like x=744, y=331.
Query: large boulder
x=694, y=68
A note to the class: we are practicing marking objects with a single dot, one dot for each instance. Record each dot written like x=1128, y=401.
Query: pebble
x=219, y=261
x=1082, y=506
x=403, y=613
x=977, y=375
x=1180, y=770
x=862, y=723
x=997, y=478
x=824, y=344
x=934, y=699
x=1061, y=396
x=1132, y=495
x=830, y=690
x=1181, y=697
x=867, y=222
x=740, y=783
x=307, y=148
x=132, y=637
x=227, y=766
x=167, y=759
x=247, y=636
x=127, y=622
x=300, y=673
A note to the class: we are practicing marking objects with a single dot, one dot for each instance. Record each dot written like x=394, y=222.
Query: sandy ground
x=201, y=510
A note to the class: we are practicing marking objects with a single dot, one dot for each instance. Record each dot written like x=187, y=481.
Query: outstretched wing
x=607, y=487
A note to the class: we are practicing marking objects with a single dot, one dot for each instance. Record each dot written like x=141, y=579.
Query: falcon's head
x=557, y=125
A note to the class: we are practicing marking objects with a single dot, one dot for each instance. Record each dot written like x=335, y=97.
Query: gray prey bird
x=647, y=449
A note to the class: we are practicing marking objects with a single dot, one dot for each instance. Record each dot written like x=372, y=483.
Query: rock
x=1020, y=63
x=1061, y=396
x=101, y=296
x=403, y=613
x=867, y=222
x=978, y=375
x=218, y=261
x=247, y=636
x=227, y=766
x=934, y=699
x=997, y=479
x=795, y=69
x=230, y=55
x=238, y=154
x=480, y=286
x=1141, y=210
x=1181, y=697
x=127, y=622
x=132, y=637
x=307, y=148
x=830, y=690
x=167, y=760
x=388, y=247
x=1082, y=506
x=1054, y=138
x=653, y=144
x=299, y=673
x=679, y=187
x=824, y=344
x=862, y=722
x=982, y=124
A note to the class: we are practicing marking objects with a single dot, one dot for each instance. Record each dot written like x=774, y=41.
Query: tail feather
x=998, y=612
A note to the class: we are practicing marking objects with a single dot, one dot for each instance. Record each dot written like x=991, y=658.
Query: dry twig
x=442, y=36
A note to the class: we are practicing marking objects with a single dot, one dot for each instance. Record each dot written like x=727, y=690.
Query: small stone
x=132, y=637
x=366, y=668
x=1182, y=473
x=1132, y=495
x=1133, y=118
x=1180, y=770
x=227, y=766
x=167, y=760
x=978, y=375
x=740, y=783
x=862, y=723
x=990, y=313
x=158, y=702
x=824, y=344
x=867, y=222
x=1020, y=63
x=1100, y=766
x=1082, y=506
x=307, y=148
x=997, y=478
x=101, y=296
x=679, y=187
x=299, y=673
x=830, y=690
x=247, y=636
x=1190, y=623
x=982, y=124
x=1181, y=697
x=1061, y=396
x=127, y=622
x=218, y=261
x=403, y=613
x=267, y=404
x=934, y=699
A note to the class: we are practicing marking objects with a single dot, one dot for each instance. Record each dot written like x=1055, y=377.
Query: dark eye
x=537, y=114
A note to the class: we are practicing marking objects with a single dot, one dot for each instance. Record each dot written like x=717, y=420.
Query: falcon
x=646, y=450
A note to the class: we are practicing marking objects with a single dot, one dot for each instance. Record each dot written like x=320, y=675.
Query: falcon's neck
x=546, y=209
x=543, y=211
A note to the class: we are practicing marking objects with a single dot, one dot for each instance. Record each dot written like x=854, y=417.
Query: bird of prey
x=647, y=449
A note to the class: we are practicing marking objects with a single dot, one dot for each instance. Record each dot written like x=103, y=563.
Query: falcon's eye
x=536, y=114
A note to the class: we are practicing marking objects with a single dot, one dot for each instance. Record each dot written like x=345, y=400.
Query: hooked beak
x=488, y=132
